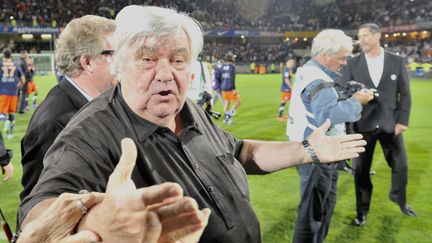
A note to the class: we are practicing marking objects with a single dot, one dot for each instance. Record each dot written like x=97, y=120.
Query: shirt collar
x=380, y=56
x=187, y=117
x=142, y=127
x=145, y=128
x=333, y=74
x=88, y=97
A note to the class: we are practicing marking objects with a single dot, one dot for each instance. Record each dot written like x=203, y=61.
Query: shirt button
x=211, y=189
x=196, y=166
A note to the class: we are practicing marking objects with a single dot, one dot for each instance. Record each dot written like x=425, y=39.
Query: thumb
x=123, y=171
x=325, y=126
x=81, y=237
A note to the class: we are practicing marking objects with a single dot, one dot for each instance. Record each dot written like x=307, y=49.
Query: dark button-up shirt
x=202, y=159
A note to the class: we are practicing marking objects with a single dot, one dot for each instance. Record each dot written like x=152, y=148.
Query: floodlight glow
x=27, y=36
x=46, y=36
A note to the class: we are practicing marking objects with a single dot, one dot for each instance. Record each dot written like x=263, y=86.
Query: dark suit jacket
x=49, y=119
x=394, y=102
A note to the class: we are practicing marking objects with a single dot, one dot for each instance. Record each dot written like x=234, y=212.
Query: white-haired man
x=176, y=142
x=314, y=101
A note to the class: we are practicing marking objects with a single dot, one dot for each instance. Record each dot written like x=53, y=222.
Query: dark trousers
x=318, y=186
x=395, y=154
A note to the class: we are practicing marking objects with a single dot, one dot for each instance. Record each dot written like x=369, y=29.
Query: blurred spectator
x=272, y=16
x=275, y=15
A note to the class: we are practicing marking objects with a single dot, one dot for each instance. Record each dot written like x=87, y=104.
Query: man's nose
x=164, y=71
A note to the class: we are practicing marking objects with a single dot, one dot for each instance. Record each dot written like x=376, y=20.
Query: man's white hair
x=331, y=41
x=136, y=22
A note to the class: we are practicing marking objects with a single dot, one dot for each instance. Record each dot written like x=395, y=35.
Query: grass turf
x=275, y=197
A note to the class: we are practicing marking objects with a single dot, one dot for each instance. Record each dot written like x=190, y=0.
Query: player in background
x=22, y=96
x=286, y=87
x=216, y=84
x=31, y=85
x=229, y=92
x=12, y=78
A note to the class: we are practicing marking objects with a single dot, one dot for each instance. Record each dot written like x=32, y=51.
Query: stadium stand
x=226, y=14
x=262, y=32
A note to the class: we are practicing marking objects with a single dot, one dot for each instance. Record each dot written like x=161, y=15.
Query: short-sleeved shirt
x=285, y=74
x=10, y=74
x=228, y=73
x=202, y=159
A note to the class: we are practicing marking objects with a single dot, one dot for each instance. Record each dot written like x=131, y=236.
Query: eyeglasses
x=107, y=52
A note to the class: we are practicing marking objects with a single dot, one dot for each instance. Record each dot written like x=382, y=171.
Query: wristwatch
x=310, y=151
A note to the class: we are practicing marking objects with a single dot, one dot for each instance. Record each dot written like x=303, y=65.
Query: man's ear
x=85, y=63
x=379, y=36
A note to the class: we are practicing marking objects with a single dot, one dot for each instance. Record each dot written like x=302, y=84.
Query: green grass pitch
x=275, y=197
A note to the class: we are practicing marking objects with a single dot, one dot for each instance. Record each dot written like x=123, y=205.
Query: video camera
x=205, y=100
x=347, y=89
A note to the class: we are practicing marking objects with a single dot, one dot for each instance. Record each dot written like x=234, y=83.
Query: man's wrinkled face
x=336, y=61
x=155, y=76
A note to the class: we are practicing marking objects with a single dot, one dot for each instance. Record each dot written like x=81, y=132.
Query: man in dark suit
x=384, y=119
x=83, y=56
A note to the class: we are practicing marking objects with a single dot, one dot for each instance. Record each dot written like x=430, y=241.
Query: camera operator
x=309, y=109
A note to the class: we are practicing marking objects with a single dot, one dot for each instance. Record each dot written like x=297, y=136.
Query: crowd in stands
x=259, y=53
x=250, y=52
x=415, y=51
x=272, y=15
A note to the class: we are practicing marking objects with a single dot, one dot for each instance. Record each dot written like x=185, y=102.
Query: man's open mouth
x=165, y=93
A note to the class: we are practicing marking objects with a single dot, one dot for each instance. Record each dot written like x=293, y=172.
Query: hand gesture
x=185, y=224
x=128, y=214
x=334, y=148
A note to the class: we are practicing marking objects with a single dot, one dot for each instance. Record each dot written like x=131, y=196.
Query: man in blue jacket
x=315, y=100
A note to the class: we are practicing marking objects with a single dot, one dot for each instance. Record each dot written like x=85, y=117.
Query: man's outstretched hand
x=334, y=148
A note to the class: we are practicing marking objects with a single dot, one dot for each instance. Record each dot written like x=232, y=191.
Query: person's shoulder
x=55, y=105
x=355, y=58
x=99, y=109
x=393, y=55
x=99, y=123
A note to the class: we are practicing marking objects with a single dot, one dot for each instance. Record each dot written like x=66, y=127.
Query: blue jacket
x=325, y=105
